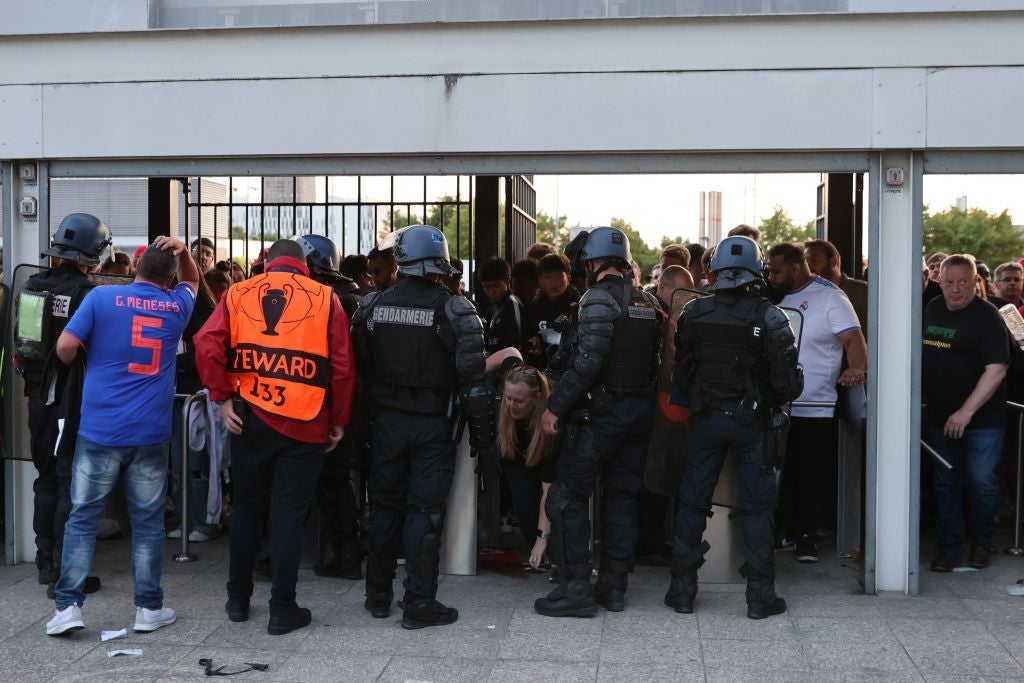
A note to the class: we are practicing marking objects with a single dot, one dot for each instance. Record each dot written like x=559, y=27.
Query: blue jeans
x=95, y=472
x=974, y=458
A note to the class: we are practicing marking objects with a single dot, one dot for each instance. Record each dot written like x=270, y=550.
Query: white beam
x=694, y=44
x=894, y=372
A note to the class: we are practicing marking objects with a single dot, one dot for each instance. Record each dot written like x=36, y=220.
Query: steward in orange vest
x=278, y=356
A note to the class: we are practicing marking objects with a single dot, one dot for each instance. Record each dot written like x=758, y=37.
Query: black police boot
x=422, y=613
x=610, y=590
x=762, y=602
x=237, y=609
x=378, y=602
x=572, y=598
x=347, y=563
x=682, y=592
x=683, y=589
x=379, y=582
x=287, y=619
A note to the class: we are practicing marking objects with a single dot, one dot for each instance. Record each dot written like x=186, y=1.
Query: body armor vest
x=45, y=304
x=727, y=346
x=411, y=369
x=279, y=356
x=631, y=363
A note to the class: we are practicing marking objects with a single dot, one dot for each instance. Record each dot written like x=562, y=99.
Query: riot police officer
x=46, y=302
x=603, y=404
x=736, y=361
x=336, y=500
x=418, y=348
x=324, y=260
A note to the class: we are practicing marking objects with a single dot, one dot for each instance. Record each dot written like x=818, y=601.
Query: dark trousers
x=411, y=473
x=524, y=483
x=614, y=446
x=52, y=487
x=808, y=496
x=339, y=512
x=712, y=435
x=275, y=474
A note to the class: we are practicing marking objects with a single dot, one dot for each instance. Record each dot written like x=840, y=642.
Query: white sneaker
x=65, y=621
x=197, y=536
x=149, y=620
x=175, y=534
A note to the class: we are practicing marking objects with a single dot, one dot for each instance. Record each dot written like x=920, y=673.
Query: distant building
x=710, y=218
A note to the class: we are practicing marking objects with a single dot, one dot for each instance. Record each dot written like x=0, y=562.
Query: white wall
x=831, y=83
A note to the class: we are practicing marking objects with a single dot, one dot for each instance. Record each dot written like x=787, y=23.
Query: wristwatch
x=543, y=534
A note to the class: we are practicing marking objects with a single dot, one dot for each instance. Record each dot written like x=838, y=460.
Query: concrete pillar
x=891, y=560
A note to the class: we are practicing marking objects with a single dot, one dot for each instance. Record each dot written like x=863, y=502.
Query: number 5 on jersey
x=139, y=323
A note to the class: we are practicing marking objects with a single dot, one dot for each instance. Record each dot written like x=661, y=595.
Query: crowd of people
x=314, y=365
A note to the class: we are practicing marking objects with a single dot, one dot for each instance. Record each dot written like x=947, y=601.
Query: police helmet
x=419, y=250
x=737, y=261
x=606, y=243
x=320, y=252
x=80, y=237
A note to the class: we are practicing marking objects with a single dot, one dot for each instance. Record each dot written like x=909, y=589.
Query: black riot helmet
x=737, y=261
x=419, y=250
x=609, y=245
x=80, y=237
x=321, y=252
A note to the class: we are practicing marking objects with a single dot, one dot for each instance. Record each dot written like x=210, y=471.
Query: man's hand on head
x=177, y=247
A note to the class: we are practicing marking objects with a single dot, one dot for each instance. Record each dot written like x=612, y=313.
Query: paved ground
x=965, y=627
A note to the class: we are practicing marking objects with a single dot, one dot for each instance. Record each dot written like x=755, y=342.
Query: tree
x=645, y=256
x=666, y=240
x=456, y=229
x=986, y=236
x=779, y=227
x=551, y=231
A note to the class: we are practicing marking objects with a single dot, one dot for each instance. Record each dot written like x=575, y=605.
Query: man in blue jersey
x=130, y=336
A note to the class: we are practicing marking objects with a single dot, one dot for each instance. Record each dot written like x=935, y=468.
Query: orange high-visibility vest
x=279, y=358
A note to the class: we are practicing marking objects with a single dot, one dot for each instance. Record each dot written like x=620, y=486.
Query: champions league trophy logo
x=273, y=303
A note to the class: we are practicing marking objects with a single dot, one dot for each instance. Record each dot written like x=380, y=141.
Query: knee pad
x=559, y=498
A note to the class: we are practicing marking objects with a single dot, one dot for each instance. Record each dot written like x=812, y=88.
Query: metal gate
x=243, y=215
x=520, y=216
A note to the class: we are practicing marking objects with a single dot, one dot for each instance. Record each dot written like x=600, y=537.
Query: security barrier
x=189, y=399
x=1015, y=549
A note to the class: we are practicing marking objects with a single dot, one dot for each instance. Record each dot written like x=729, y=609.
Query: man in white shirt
x=830, y=329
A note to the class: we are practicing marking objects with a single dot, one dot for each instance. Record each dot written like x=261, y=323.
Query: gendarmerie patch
x=401, y=315
x=644, y=312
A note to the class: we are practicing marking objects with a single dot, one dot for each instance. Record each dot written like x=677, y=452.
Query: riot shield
x=666, y=452
x=29, y=329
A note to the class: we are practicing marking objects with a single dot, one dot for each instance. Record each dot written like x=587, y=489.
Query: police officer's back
x=602, y=405
x=736, y=360
x=419, y=348
x=45, y=304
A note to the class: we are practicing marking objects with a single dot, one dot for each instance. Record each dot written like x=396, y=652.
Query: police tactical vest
x=405, y=348
x=726, y=341
x=631, y=361
x=45, y=304
x=279, y=357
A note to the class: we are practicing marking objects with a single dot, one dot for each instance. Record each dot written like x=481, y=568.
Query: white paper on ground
x=113, y=635
x=130, y=652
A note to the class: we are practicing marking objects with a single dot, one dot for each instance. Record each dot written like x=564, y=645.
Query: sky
x=659, y=205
